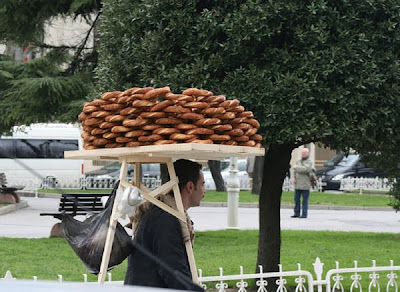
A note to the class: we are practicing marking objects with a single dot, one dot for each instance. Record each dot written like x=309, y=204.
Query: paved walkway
x=207, y=218
x=26, y=222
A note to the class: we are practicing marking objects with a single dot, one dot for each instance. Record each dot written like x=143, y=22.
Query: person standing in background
x=301, y=179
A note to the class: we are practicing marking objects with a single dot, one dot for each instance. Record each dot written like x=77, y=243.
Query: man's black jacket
x=160, y=234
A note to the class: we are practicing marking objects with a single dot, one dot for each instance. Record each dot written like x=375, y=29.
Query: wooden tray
x=158, y=153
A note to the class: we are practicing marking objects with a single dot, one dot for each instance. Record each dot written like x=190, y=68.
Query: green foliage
x=388, y=159
x=395, y=193
x=23, y=21
x=51, y=88
x=40, y=91
x=310, y=70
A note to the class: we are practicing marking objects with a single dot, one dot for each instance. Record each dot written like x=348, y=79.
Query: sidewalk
x=312, y=207
x=27, y=223
x=214, y=218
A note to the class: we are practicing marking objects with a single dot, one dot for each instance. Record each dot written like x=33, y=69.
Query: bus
x=36, y=153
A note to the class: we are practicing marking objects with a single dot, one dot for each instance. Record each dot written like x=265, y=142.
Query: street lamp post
x=233, y=184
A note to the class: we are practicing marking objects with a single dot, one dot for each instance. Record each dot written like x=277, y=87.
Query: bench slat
x=85, y=201
x=86, y=207
x=69, y=204
x=72, y=210
x=81, y=201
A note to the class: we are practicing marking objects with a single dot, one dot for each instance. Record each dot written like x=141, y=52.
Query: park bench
x=8, y=194
x=75, y=204
x=78, y=204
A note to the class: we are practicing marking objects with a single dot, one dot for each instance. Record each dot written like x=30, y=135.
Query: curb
x=224, y=204
x=13, y=207
x=39, y=195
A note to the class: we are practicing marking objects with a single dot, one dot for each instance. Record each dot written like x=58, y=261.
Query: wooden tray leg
x=114, y=220
x=178, y=201
x=111, y=229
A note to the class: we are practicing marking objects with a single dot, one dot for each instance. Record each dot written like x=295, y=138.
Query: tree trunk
x=276, y=161
x=164, y=173
x=257, y=175
x=215, y=168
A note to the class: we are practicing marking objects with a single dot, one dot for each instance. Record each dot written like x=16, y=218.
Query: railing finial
x=318, y=268
x=8, y=276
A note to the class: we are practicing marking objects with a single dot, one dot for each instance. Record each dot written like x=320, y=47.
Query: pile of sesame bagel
x=154, y=116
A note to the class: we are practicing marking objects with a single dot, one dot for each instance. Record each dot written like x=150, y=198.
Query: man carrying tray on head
x=163, y=235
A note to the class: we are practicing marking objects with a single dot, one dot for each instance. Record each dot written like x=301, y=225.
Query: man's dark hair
x=187, y=171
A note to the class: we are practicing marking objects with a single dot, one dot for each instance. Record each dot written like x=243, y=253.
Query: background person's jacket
x=301, y=172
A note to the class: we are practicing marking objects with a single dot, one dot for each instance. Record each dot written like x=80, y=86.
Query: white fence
x=360, y=183
x=92, y=182
x=305, y=281
x=289, y=187
x=371, y=278
x=347, y=184
x=245, y=183
x=33, y=185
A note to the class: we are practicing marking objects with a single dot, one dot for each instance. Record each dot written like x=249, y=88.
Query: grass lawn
x=316, y=198
x=229, y=249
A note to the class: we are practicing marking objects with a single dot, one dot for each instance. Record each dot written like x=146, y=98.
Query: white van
x=37, y=152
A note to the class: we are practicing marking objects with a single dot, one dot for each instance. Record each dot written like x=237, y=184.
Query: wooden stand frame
x=158, y=154
x=150, y=196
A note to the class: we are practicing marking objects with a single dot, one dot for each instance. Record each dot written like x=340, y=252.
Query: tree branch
x=74, y=62
x=47, y=46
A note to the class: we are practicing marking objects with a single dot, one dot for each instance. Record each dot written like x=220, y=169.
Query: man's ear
x=189, y=187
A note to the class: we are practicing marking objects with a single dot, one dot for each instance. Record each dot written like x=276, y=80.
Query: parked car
x=148, y=170
x=112, y=170
x=242, y=174
x=341, y=166
x=106, y=169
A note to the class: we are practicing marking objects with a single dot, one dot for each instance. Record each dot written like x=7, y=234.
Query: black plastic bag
x=87, y=238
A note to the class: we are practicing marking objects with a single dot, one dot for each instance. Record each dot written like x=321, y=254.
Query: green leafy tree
x=23, y=22
x=38, y=91
x=311, y=71
x=51, y=88
x=388, y=160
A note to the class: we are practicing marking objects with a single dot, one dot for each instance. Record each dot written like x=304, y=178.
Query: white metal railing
x=67, y=182
x=92, y=182
x=8, y=276
x=289, y=187
x=245, y=183
x=361, y=183
x=303, y=280
x=349, y=184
